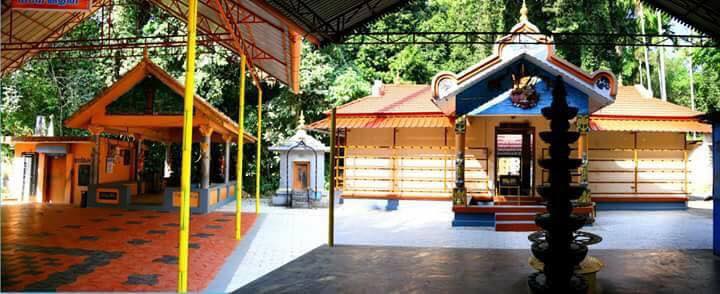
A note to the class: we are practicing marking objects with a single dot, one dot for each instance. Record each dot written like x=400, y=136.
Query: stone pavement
x=386, y=269
x=283, y=235
x=62, y=248
x=286, y=234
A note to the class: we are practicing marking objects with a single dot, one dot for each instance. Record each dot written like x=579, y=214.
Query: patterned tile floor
x=62, y=248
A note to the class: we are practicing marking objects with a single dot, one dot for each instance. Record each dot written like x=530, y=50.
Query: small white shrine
x=302, y=170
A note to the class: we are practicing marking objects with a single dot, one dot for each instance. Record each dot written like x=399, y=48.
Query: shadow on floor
x=369, y=269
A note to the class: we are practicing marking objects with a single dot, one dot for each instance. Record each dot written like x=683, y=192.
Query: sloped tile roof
x=634, y=102
x=397, y=99
x=395, y=121
x=649, y=125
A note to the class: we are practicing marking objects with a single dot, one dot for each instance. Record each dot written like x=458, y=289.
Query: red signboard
x=55, y=5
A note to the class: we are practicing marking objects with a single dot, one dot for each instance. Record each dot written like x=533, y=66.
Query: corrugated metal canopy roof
x=331, y=20
x=702, y=15
x=26, y=26
x=272, y=42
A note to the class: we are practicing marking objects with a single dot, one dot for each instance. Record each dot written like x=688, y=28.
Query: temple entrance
x=514, y=159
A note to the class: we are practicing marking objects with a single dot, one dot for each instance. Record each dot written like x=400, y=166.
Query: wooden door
x=56, y=180
x=301, y=175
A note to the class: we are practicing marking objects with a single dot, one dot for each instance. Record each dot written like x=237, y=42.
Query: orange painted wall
x=22, y=148
x=57, y=177
x=120, y=172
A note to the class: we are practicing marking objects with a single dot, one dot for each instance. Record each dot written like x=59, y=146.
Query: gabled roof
x=636, y=102
x=524, y=43
x=82, y=118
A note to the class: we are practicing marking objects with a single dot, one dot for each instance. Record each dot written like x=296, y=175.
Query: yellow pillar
x=259, y=148
x=187, y=149
x=241, y=133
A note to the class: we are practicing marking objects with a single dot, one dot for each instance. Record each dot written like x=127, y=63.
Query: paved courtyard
x=388, y=269
x=61, y=248
x=286, y=234
x=71, y=249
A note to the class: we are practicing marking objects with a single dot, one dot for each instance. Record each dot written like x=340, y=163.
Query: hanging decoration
x=523, y=94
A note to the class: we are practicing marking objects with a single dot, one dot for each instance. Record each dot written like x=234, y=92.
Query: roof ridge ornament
x=301, y=121
x=523, y=12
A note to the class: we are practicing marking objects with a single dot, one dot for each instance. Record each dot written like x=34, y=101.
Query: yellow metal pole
x=333, y=172
x=187, y=149
x=259, y=145
x=241, y=134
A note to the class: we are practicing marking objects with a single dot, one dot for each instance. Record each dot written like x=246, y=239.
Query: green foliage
x=337, y=74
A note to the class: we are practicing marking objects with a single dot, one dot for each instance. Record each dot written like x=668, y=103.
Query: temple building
x=302, y=170
x=112, y=167
x=472, y=137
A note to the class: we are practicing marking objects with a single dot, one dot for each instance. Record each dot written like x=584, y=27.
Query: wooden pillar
x=333, y=174
x=139, y=163
x=226, y=160
x=636, y=164
x=206, y=132
x=95, y=132
x=459, y=191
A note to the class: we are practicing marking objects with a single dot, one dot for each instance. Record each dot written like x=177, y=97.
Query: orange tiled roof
x=633, y=102
x=396, y=121
x=649, y=125
x=397, y=99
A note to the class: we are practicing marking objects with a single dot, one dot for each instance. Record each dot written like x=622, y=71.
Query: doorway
x=514, y=160
x=301, y=172
x=30, y=174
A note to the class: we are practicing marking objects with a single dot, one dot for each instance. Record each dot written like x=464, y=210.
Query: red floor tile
x=98, y=249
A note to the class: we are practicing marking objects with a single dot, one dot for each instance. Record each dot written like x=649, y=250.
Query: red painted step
x=515, y=216
x=516, y=226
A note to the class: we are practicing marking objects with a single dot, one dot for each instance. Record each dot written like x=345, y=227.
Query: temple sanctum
x=472, y=137
x=128, y=161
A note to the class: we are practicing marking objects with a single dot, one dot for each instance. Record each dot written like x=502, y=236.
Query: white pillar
x=661, y=71
x=205, y=151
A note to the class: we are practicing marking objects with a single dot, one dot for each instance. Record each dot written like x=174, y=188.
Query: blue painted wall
x=499, y=83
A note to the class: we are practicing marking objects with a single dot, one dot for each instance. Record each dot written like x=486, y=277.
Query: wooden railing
x=636, y=172
x=408, y=171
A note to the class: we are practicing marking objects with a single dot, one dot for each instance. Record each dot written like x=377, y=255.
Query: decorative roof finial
x=523, y=12
x=301, y=122
x=145, y=53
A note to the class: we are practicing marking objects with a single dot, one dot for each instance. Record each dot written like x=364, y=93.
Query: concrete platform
x=368, y=269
